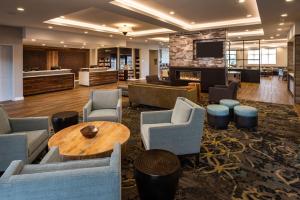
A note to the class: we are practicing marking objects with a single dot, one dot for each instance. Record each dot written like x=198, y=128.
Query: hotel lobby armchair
x=179, y=131
x=104, y=105
x=219, y=92
x=21, y=138
x=94, y=179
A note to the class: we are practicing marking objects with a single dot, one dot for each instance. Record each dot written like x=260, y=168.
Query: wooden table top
x=73, y=145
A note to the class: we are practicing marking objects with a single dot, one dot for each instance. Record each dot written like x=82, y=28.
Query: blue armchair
x=95, y=179
x=104, y=105
x=179, y=130
x=21, y=138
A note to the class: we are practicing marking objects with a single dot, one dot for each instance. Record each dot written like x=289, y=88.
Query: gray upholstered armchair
x=94, y=179
x=104, y=105
x=21, y=138
x=219, y=92
x=179, y=130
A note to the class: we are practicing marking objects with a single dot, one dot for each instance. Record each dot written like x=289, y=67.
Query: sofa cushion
x=51, y=167
x=145, y=132
x=4, y=122
x=35, y=139
x=103, y=115
x=181, y=112
x=105, y=99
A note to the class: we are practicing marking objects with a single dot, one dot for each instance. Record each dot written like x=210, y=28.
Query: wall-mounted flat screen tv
x=209, y=49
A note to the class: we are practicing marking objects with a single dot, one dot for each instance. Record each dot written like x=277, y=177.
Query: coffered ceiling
x=153, y=20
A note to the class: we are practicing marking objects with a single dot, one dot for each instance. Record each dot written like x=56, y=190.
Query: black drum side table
x=63, y=120
x=157, y=173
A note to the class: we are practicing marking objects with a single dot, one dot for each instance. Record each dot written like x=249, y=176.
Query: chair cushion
x=35, y=139
x=103, y=115
x=145, y=131
x=32, y=169
x=217, y=110
x=4, y=122
x=230, y=103
x=181, y=112
x=105, y=99
x=245, y=111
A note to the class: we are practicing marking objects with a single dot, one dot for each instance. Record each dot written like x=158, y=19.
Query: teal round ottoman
x=245, y=117
x=218, y=116
x=230, y=103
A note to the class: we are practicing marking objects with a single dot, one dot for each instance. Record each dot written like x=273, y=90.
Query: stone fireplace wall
x=182, y=51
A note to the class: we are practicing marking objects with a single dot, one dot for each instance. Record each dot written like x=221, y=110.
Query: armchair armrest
x=155, y=117
x=119, y=109
x=13, y=169
x=12, y=147
x=87, y=109
x=52, y=156
x=29, y=124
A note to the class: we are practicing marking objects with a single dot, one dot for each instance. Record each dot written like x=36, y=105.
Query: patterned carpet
x=234, y=164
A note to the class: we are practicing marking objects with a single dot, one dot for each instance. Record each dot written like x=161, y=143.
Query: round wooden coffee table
x=74, y=146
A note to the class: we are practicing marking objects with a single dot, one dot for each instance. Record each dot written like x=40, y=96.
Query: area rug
x=234, y=164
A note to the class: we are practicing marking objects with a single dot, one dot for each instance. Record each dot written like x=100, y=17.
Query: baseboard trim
x=18, y=99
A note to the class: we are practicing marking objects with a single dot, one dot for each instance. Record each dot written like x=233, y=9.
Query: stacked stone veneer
x=183, y=51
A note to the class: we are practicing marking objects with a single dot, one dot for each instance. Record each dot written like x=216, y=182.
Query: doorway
x=153, y=62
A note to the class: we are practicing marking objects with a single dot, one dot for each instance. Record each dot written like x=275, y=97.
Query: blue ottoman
x=218, y=116
x=230, y=103
x=245, y=117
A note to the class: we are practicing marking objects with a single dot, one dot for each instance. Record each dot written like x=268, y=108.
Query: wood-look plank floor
x=269, y=90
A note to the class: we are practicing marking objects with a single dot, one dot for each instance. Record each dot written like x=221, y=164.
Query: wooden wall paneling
x=297, y=68
x=99, y=78
x=34, y=59
x=73, y=59
x=52, y=58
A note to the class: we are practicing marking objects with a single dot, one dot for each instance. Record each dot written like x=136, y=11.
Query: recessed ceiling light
x=62, y=17
x=279, y=29
x=263, y=40
x=20, y=9
x=86, y=32
x=33, y=40
x=239, y=37
x=103, y=45
x=242, y=1
x=43, y=44
x=146, y=40
x=277, y=35
x=50, y=27
x=130, y=38
x=249, y=15
x=62, y=42
x=110, y=35
x=247, y=30
x=281, y=24
x=289, y=0
x=271, y=37
x=82, y=47
x=193, y=22
x=84, y=43
x=284, y=15
x=171, y=12
x=65, y=46
x=103, y=24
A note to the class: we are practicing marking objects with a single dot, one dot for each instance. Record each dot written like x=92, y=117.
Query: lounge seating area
x=149, y=100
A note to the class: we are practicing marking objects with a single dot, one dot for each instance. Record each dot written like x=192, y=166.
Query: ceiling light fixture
x=50, y=27
x=86, y=32
x=130, y=38
x=193, y=22
x=125, y=29
x=65, y=46
x=249, y=15
x=289, y=0
x=62, y=17
x=284, y=15
x=172, y=13
x=20, y=9
x=110, y=35
x=279, y=29
x=43, y=44
x=33, y=40
x=146, y=40
x=277, y=35
x=62, y=42
x=258, y=32
x=271, y=37
x=281, y=24
x=242, y=1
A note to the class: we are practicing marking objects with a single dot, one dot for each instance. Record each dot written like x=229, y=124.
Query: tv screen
x=209, y=49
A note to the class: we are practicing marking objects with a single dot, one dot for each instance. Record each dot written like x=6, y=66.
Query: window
x=231, y=58
x=253, y=57
x=268, y=56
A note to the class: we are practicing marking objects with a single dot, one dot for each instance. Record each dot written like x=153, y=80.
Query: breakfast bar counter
x=96, y=76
